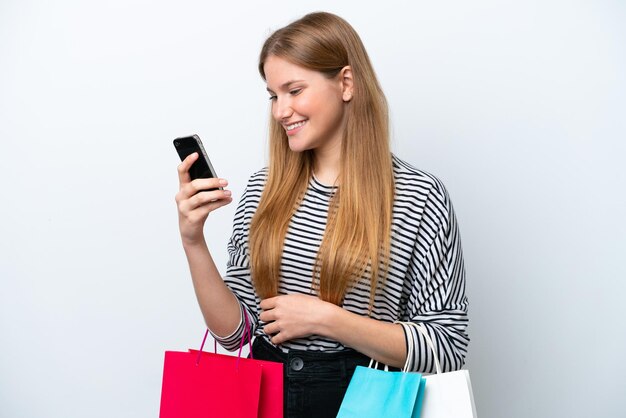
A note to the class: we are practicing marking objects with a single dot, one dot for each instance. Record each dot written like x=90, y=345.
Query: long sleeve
x=437, y=298
x=238, y=274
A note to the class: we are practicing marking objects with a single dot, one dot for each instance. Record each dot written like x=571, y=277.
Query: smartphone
x=202, y=167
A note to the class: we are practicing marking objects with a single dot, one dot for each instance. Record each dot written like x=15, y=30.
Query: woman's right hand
x=194, y=205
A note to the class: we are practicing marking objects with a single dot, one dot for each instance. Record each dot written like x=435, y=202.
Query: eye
x=272, y=98
x=295, y=92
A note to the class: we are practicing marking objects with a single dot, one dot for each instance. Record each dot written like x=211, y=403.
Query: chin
x=298, y=146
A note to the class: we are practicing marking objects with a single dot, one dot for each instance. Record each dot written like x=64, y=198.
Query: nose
x=281, y=109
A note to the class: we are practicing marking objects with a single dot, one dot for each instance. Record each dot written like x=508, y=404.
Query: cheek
x=306, y=106
x=334, y=110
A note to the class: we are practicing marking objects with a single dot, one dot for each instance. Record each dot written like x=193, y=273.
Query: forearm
x=219, y=306
x=381, y=341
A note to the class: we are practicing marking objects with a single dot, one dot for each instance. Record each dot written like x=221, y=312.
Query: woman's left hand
x=293, y=316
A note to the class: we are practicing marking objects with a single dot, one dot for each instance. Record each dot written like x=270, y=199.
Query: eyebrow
x=284, y=85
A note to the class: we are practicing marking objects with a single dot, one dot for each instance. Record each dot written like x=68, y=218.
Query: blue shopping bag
x=378, y=393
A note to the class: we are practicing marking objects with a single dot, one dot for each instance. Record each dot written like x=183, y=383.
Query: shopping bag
x=378, y=393
x=216, y=386
x=447, y=395
x=201, y=384
x=271, y=399
x=271, y=393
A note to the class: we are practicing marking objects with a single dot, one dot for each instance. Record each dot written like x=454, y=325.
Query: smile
x=294, y=126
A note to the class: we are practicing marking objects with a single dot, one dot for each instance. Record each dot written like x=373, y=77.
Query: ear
x=347, y=83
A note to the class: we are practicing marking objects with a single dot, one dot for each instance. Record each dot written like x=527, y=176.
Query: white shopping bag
x=447, y=395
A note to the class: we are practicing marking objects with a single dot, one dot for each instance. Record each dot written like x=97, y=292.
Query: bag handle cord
x=411, y=344
x=247, y=332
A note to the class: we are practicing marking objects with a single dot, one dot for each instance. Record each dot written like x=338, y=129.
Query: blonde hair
x=356, y=242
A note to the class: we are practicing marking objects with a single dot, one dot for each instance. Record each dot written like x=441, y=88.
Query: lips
x=292, y=128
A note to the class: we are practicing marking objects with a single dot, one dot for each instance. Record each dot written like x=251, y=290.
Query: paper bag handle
x=422, y=330
x=246, y=333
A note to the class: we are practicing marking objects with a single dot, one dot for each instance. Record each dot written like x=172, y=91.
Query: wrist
x=192, y=243
x=328, y=322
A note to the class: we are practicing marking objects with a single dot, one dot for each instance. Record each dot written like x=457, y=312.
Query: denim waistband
x=300, y=363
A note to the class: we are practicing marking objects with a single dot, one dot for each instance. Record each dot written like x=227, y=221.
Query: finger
x=278, y=338
x=211, y=206
x=183, y=168
x=276, y=335
x=267, y=304
x=200, y=214
x=203, y=198
x=187, y=190
x=217, y=204
x=188, y=198
x=268, y=316
x=208, y=183
x=271, y=329
x=186, y=211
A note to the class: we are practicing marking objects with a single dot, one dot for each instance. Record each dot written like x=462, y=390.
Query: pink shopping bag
x=200, y=384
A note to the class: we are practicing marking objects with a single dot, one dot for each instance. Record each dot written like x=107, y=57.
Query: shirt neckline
x=321, y=187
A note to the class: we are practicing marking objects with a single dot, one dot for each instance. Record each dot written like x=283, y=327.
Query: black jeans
x=314, y=382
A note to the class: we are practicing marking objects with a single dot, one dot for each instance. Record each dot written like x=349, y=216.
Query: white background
x=519, y=107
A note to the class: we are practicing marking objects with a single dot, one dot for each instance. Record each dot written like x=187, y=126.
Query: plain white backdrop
x=519, y=107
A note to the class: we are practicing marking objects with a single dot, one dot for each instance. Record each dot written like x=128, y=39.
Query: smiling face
x=309, y=106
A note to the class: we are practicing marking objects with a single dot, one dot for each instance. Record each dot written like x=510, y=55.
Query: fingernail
x=226, y=192
x=223, y=182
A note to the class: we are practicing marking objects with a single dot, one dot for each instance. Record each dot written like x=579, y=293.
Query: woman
x=337, y=239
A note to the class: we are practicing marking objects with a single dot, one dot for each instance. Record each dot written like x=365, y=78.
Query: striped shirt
x=425, y=281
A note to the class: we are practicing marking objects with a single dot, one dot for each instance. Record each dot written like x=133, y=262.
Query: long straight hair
x=356, y=243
